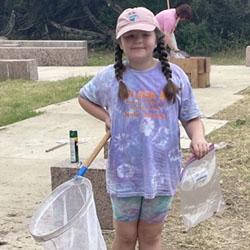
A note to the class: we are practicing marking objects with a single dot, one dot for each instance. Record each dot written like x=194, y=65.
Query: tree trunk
x=10, y=25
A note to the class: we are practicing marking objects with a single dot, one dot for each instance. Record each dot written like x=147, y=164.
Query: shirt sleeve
x=97, y=90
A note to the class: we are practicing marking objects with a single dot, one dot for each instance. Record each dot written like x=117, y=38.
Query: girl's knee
x=126, y=239
x=126, y=232
x=149, y=239
x=150, y=233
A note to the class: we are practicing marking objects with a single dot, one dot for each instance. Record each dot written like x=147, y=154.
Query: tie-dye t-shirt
x=144, y=151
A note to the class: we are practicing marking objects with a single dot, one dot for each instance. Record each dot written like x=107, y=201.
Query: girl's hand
x=195, y=131
x=199, y=148
x=107, y=123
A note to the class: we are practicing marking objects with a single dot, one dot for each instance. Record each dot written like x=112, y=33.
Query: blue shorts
x=149, y=210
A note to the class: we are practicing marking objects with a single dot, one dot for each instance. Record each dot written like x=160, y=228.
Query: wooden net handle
x=97, y=149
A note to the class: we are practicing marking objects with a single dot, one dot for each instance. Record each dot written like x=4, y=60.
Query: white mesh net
x=67, y=219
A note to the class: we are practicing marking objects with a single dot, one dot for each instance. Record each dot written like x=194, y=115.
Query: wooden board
x=197, y=69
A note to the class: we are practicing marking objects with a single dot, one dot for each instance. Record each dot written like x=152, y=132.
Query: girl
x=145, y=97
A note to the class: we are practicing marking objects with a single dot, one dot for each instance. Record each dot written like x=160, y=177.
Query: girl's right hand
x=107, y=123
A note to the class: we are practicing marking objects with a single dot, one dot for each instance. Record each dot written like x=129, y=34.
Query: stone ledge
x=42, y=43
x=48, y=56
x=19, y=69
x=46, y=52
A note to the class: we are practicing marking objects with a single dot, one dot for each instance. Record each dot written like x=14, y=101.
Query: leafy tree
x=216, y=25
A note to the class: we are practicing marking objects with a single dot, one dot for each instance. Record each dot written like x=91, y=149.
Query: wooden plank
x=194, y=73
x=208, y=64
x=201, y=64
x=184, y=63
x=197, y=69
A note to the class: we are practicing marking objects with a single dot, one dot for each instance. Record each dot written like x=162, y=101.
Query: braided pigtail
x=119, y=69
x=170, y=89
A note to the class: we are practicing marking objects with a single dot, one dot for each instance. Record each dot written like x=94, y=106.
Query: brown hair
x=170, y=89
x=184, y=11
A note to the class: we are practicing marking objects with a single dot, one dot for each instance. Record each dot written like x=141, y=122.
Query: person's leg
x=172, y=53
x=173, y=39
x=152, y=217
x=125, y=235
x=149, y=235
x=126, y=213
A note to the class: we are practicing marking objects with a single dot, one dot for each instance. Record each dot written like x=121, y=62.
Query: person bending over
x=168, y=21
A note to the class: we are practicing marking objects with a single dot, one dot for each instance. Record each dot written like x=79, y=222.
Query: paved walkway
x=25, y=166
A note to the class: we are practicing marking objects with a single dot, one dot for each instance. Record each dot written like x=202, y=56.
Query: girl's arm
x=195, y=130
x=95, y=110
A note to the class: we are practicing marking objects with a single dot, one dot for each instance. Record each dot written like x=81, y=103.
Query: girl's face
x=138, y=46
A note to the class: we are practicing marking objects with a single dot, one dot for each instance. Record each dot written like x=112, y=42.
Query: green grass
x=100, y=58
x=19, y=99
x=229, y=57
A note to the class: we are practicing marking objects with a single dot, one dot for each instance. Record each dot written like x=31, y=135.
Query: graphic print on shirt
x=146, y=104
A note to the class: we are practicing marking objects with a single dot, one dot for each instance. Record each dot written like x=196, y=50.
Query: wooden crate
x=197, y=69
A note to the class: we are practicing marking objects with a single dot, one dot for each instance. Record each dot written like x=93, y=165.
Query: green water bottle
x=74, y=156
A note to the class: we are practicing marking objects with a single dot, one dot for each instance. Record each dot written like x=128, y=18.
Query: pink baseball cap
x=138, y=18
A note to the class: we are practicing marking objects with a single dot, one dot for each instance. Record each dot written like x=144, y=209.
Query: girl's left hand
x=199, y=148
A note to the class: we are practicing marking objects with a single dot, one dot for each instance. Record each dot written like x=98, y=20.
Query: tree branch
x=88, y=34
x=98, y=25
x=10, y=25
x=114, y=6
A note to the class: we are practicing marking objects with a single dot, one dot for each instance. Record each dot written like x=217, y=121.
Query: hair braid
x=119, y=69
x=170, y=89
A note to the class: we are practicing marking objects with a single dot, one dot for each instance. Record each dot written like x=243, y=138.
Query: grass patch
x=100, y=58
x=229, y=57
x=20, y=98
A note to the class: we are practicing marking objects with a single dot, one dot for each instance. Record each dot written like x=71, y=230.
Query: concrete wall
x=42, y=43
x=48, y=56
x=46, y=53
x=19, y=69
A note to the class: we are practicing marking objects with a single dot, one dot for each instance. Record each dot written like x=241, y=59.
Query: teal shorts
x=149, y=210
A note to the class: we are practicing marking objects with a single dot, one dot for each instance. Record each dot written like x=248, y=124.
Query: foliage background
x=216, y=25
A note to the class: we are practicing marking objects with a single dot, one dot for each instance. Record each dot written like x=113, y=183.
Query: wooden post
x=168, y=4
